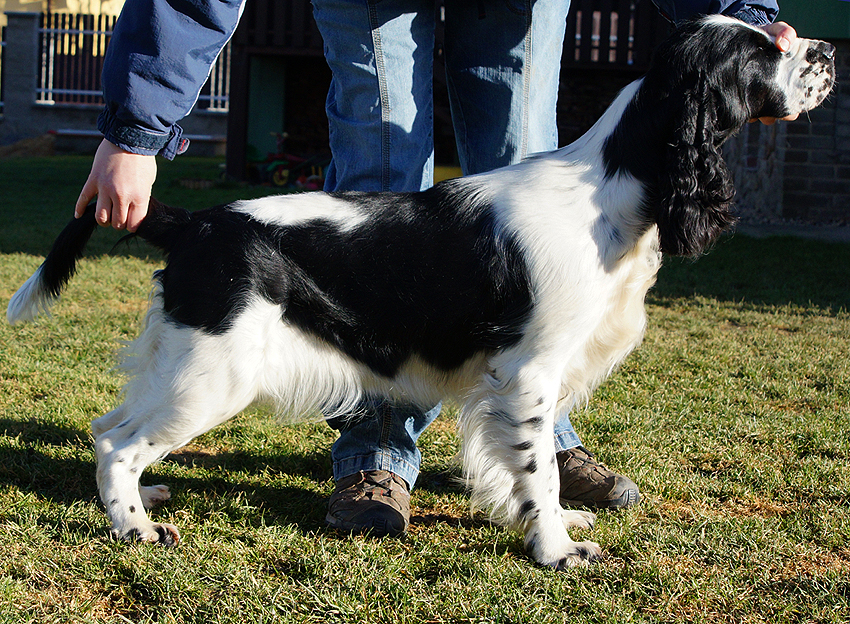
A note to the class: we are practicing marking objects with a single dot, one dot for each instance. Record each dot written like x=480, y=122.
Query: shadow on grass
x=67, y=480
x=48, y=460
x=762, y=273
x=31, y=467
x=36, y=431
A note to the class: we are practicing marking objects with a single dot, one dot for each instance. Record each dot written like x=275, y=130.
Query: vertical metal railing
x=72, y=48
x=71, y=51
x=215, y=96
x=612, y=33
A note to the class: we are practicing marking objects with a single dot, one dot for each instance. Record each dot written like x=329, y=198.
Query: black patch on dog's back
x=428, y=273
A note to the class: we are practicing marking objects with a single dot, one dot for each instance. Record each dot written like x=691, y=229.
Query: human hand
x=784, y=36
x=122, y=183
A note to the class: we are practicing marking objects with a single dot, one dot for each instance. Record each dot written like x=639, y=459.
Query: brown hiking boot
x=587, y=483
x=374, y=501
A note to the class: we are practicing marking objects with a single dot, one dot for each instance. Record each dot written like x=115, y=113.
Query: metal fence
x=215, y=96
x=612, y=33
x=71, y=52
x=72, y=48
x=601, y=33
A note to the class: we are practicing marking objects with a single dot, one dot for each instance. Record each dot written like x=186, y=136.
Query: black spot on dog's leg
x=527, y=507
x=133, y=535
x=531, y=466
x=523, y=446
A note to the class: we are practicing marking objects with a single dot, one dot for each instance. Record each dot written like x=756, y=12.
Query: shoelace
x=388, y=483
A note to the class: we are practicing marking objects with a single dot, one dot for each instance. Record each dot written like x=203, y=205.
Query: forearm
x=158, y=60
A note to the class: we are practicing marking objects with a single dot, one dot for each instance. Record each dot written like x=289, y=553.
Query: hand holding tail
x=122, y=183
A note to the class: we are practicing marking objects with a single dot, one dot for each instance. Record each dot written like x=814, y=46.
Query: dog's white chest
x=608, y=319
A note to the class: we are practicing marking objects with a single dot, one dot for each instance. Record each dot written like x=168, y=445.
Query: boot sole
x=629, y=498
x=378, y=527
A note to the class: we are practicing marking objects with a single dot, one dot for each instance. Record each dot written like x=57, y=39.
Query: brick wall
x=798, y=171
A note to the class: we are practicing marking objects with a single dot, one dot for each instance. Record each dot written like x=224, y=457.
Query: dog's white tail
x=32, y=299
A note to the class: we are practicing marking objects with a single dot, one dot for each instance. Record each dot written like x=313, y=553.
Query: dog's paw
x=569, y=555
x=157, y=533
x=581, y=554
x=153, y=495
x=574, y=519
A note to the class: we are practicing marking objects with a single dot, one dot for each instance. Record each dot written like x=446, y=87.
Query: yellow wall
x=94, y=7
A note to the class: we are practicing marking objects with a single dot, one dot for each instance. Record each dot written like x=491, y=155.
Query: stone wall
x=755, y=159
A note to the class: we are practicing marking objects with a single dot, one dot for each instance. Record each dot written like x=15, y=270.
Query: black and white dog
x=515, y=292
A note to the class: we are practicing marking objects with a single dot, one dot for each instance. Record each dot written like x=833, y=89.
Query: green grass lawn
x=732, y=418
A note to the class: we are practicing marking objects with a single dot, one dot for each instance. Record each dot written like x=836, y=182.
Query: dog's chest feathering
x=591, y=261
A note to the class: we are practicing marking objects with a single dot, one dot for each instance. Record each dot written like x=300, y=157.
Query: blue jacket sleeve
x=756, y=12
x=159, y=58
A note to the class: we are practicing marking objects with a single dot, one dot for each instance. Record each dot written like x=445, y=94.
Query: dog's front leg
x=509, y=453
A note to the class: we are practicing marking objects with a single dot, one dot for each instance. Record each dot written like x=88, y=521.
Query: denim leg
x=565, y=436
x=379, y=105
x=381, y=437
x=380, y=116
x=504, y=90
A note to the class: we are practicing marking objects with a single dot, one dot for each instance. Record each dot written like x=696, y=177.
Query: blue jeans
x=503, y=62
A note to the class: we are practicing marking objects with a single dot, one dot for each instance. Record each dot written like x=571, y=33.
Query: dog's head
x=706, y=80
x=736, y=72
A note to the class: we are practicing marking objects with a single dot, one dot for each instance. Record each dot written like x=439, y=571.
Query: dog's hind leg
x=142, y=438
x=191, y=384
x=509, y=454
x=123, y=453
x=151, y=495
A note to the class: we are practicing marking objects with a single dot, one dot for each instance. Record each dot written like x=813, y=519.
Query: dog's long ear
x=695, y=190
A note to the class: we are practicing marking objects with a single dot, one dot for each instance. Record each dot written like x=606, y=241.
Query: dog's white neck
x=618, y=224
x=592, y=141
